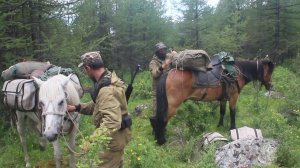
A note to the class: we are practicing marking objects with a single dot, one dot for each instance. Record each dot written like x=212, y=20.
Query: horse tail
x=161, y=110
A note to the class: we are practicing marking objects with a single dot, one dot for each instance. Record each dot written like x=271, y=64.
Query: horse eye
x=61, y=103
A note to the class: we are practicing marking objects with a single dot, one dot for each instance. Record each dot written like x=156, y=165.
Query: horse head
x=266, y=79
x=53, y=97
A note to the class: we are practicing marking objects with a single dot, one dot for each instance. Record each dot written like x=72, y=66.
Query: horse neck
x=73, y=96
x=249, y=70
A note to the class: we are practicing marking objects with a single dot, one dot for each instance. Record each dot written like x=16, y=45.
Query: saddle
x=211, y=77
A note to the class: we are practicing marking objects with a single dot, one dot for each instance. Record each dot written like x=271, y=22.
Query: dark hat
x=90, y=58
x=159, y=46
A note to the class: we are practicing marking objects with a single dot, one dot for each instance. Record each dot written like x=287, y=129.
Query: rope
x=76, y=127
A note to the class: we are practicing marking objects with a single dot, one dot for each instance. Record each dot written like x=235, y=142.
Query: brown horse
x=177, y=86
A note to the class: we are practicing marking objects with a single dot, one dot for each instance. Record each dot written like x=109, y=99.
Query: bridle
x=263, y=82
x=65, y=116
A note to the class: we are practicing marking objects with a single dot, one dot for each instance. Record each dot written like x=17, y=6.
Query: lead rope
x=76, y=127
x=257, y=89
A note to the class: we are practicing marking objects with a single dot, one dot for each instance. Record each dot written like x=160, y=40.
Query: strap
x=255, y=133
x=5, y=97
x=17, y=93
x=237, y=133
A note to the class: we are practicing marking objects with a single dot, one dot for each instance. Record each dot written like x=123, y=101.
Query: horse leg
x=71, y=147
x=57, y=153
x=38, y=129
x=232, y=104
x=222, y=112
x=21, y=130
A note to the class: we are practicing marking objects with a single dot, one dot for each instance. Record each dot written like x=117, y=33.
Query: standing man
x=109, y=108
x=157, y=66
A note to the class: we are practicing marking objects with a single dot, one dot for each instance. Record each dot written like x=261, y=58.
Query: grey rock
x=246, y=153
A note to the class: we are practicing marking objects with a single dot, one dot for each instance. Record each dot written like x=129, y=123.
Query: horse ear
x=66, y=80
x=38, y=81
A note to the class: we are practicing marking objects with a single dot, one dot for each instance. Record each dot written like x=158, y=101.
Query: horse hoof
x=28, y=165
x=161, y=141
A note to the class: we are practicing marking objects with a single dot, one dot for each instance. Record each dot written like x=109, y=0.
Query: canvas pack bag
x=245, y=133
x=24, y=70
x=196, y=60
x=20, y=94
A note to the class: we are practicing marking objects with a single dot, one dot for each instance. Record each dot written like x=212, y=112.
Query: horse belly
x=207, y=94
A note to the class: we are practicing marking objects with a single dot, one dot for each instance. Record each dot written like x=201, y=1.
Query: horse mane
x=51, y=88
x=253, y=70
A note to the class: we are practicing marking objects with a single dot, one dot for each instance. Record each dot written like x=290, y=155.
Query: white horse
x=54, y=95
x=34, y=119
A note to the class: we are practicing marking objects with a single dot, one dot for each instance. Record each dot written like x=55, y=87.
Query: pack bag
x=195, y=60
x=245, y=133
x=227, y=61
x=211, y=137
x=23, y=70
x=55, y=70
x=20, y=94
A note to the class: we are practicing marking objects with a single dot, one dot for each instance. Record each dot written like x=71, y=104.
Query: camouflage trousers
x=112, y=159
x=154, y=102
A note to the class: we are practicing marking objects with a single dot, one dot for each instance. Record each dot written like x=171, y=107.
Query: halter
x=67, y=117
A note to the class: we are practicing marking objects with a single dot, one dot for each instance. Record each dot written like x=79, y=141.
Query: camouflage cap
x=159, y=46
x=90, y=58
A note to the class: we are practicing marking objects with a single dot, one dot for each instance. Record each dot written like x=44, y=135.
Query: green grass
x=277, y=118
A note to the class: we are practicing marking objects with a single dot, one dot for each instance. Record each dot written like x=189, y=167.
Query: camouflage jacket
x=110, y=104
x=155, y=69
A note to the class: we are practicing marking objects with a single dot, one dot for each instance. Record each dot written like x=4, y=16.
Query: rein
x=74, y=126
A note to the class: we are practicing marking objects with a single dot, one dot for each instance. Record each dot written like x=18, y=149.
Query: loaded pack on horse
x=43, y=104
x=222, y=80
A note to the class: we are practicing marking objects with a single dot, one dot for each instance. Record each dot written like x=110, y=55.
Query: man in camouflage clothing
x=109, y=108
x=157, y=66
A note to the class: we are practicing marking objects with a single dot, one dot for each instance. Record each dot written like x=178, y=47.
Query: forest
x=125, y=32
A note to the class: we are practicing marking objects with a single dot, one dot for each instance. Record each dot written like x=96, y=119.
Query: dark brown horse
x=177, y=86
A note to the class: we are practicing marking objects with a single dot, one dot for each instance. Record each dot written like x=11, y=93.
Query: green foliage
x=142, y=86
x=208, y=158
x=293, y=64
x=197, y=116
x=276, y=117
x=91, y=146
x=285, y=81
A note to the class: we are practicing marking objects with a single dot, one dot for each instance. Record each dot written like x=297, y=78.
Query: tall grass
x=278, y=118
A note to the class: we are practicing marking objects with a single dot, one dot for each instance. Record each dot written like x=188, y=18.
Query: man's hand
x=166, y=64
x=71, y=108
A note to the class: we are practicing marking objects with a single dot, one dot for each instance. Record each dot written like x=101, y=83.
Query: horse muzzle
x=269, y=86
x=50, y=137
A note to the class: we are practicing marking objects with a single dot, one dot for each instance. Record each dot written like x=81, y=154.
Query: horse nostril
x=51, y=137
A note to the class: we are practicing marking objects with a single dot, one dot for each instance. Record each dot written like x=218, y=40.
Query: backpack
x=20, y=94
